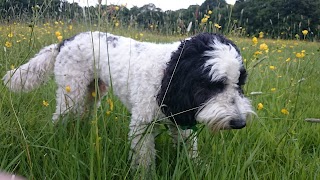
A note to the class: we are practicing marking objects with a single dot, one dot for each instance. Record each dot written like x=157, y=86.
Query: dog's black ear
x=186, y=84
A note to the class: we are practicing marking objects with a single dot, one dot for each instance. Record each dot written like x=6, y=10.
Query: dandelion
x=260, y=106
x=264, y=47
x=284, y=111
x=68, y=89
x=8, y=44
x=255, y=40
x=272, y=67
x=45, y=103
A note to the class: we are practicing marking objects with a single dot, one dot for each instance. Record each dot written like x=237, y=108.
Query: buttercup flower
x=217, y=26
x=272, y=67
x=264, y=47
x=57, y=33
x=261, y=34
x=45, y=103
x=10, y=35
x=59, y=38
x=260, y=106
x=305, y=32
x=255, y=40
x=110, y=102
x=209, y=12
x=273, y=89
x=68, y=88
x=284, y=111
x=8, y=44
x=300, y=55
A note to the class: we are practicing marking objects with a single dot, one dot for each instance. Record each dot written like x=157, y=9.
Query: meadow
x=283, y=85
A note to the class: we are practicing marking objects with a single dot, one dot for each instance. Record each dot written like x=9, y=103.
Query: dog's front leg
x=141, y=136
x=186, y=137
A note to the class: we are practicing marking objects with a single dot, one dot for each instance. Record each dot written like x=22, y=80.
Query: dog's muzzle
x=237, y=124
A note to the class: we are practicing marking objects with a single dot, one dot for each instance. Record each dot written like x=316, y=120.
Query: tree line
x=275, y=18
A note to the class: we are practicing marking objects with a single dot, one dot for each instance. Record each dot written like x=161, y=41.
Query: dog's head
x=203, y=83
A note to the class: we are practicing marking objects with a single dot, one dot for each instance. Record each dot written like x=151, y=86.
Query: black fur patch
x=190, y=85
x=60, y=45
x=113, y=40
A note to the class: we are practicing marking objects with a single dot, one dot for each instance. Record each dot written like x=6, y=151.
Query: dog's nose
x=237, y=124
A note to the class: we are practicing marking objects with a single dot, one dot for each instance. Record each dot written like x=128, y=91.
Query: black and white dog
x=197, y=80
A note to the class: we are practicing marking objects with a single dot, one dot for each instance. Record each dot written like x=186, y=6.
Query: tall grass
x=274, y=145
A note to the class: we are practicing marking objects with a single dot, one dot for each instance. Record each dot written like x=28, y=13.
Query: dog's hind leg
x=72, y=94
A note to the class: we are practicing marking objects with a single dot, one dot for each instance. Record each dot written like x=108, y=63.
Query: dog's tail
x=32, y=74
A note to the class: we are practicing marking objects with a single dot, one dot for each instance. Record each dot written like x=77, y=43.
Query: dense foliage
x=276, y=18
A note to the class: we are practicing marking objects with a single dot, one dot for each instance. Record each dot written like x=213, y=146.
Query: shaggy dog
x=197, y=80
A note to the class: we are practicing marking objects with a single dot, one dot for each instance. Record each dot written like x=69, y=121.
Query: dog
x=196, y=80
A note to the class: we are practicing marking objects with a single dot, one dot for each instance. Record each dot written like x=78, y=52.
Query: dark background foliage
x=276, y=18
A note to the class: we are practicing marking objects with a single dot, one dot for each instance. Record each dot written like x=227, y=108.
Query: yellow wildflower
x=284, y=111
x=10, y=35
x=305, y=32
x=93, y=94
x=45, y=103
x=209, y=12
x=261, y=34
x=8, y=44
x=141, y=35
x=287, y=60
x=255, y=40
x=204, y=20
x=272, y=67
x=57, y=33
x=117, y=8
x=116, y=24
x=260, y=106
x=110, y=102
x=257, y=53
x=108, y=113
x=12, y=67
x=59, y=38
x=68, y=88
x=217, y=26
x=70, y=27
x=300, y=55
x=273, y=89
x=264, y=47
